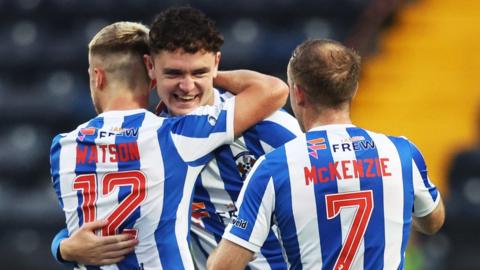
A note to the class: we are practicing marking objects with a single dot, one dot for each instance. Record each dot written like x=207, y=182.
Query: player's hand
x=85, y=247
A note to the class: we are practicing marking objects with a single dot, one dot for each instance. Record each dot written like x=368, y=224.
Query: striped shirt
x=138, y=171
x=219, y=185
x=342, y=197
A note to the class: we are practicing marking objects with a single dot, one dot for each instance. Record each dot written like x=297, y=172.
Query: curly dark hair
x=184, y=28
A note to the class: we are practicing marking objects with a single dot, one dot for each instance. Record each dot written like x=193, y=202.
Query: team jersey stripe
x=406, y=163
x=286, y=218
x=228, y=171
x=192, y=126
x=86, y=167
x=165, y=234
x=284, y=132
x=270, y=253
x=182, y=230
x=201, y=161
x=264, y=215
x=127, y=161
x=197, y=247
x=393, y=199
x=329, y=230
x=213, y=225
x=84, y=149
x=68, y=164
x=374, y=238
x=205, y=208
x=152, y=164
x=422, y=168
x=250, y=208
x=205, y=217
x=252, y=143
x=348, y=183
x=55, y=166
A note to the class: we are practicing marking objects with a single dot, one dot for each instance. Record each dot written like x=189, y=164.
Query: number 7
x=363, y=202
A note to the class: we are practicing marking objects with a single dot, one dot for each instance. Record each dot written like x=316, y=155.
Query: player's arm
x=429, y=211
x=258, y=96
x=55, y=248
x=431, y=223
x=229, y=255
x=85, y=247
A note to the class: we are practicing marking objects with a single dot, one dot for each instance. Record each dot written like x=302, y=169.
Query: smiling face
x=184, y=80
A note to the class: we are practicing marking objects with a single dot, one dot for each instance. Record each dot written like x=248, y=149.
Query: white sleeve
x=426, y=193
x=199, y=133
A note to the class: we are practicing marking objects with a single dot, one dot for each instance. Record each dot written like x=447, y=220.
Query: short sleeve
x=199, y=133
x=425, y=192
x=255, y=204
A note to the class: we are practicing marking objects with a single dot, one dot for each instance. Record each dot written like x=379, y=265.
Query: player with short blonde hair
x=129, y=173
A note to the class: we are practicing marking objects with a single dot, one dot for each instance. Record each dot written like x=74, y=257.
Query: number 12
x=87, y=185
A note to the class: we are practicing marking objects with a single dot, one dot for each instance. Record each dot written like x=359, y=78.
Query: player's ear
x=299, y=95
x=218, y=56
x=100, y=78
x=356, y=91
x=149, y=64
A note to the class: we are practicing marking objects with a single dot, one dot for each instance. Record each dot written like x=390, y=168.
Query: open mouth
x=185, y=98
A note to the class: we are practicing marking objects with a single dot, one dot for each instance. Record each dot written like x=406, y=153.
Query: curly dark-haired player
x=185, y=47
x=185, y=53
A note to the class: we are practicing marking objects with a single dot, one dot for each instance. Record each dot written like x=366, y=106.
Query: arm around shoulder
x=258, y=96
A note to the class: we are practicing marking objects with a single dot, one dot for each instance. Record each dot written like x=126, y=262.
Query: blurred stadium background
x=420, y=79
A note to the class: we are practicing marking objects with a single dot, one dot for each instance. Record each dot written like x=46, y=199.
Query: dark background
x=44, y=84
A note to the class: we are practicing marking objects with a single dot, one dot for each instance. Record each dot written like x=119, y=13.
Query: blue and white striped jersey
x=342, y=198
x=219, y=184
x=138, y=171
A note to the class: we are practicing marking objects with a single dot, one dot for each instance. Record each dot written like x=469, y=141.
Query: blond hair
x=119, y=48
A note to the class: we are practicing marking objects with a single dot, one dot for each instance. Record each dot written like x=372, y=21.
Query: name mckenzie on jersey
x=347, y=169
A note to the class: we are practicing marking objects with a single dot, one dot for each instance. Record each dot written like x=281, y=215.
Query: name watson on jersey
x=107, y=153
x=347, y=169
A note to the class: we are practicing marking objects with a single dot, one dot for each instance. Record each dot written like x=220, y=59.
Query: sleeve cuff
x=429, y=210
x=239, y=241
x=55, y=248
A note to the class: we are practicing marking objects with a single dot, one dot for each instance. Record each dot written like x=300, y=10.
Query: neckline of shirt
x=122, y=112
x=331, y=126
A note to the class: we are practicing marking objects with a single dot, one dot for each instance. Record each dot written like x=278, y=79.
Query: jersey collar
x=331, y=127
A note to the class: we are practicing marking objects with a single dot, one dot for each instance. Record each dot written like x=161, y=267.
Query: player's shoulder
x=377, y=134
x=281, y=116
x=281, y=152
x=400, y=141
x=277, y=162
x=281, y=121
x=71, y=133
